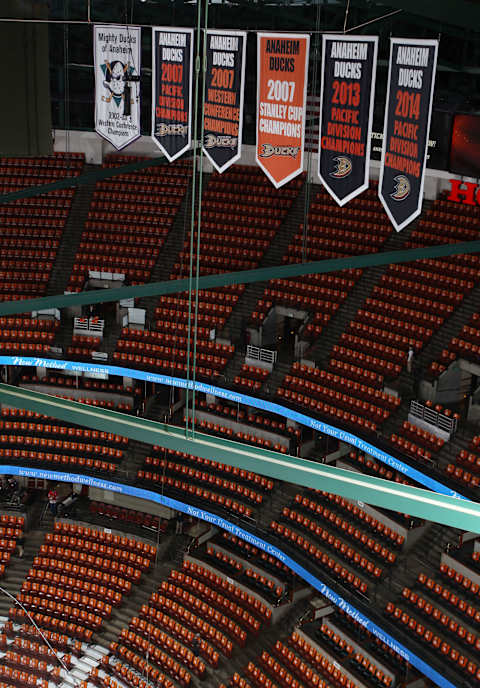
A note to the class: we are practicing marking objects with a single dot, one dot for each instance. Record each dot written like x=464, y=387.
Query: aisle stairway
x=18, y=569
x=71, y=236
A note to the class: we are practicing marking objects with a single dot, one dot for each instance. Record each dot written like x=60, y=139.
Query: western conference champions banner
x=172, y=65
x=408, y=110
x=282, y=72
x=224, y=86
x=346, y=112
x=116, y=51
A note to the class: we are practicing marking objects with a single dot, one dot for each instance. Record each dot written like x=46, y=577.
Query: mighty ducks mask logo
x=116, y=76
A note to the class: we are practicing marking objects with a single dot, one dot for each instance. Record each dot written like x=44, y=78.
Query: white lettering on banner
x=301, y=418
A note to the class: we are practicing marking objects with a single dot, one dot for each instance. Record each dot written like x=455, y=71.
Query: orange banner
x=282, y=70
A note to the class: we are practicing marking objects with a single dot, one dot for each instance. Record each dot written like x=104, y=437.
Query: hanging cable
x=347, y=10
x=199, y=217
x=66, y=83
x=192, y=220
x=316, y=42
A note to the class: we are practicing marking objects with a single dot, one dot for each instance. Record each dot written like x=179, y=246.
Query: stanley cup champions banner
x=408, y=110
x=172, y=65
x=346, y=111
x=282, y=71
x=117, y=85
x=224, y=85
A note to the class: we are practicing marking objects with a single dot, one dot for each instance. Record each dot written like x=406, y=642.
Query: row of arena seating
x=331, y=411
x=78, y=576
x=250, y=603
x=354, y=513
x=238, y=474
x=347, y=528
x=197, y=476
x=314, y=391
x=328, y=539
x=380, y=325
x=249, y=235
x=111, y=512
x=207, y=611
x=164, y=623
x=138, y=661
x=359, y=663
x=322, y=559
x=27, y=335
x=11, y=529
x=246, y=437
x=424, y=438
x=114, y=204
x=237, y=570
x=446, y=596
x=42, y=458
x=27, y=271
x=208, y=592
x=255, y=556
x=266, y=422
x=465, y=345
x=101, y=676
x=429, y=637
x=181, y=488
x=161, y=650
x=51, y=622
x=20, y=416
x=80, y=382
x=467, y=459
x=166, y=365
x=365, y=464
x=102, y=538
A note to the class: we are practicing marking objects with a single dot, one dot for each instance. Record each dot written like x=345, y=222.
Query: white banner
x=117, y=53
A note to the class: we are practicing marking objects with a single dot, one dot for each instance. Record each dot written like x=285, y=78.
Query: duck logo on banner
x=402, y=188
x=343, y=167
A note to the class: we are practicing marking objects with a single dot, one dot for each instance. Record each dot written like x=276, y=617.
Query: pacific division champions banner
x=116, y=51
x=282, y=71
x=223, y=110
x=411, y=79
x=172, y=64
x=346, y=111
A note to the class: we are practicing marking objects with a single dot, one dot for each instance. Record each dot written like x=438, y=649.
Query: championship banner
x=346, y=112
x=411, y=79
x=224, y=85
x=282, y=71
x=117, y=53
x=172, y=65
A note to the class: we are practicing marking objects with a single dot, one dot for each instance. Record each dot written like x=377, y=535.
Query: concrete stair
x=18, y=568
x=71, y=237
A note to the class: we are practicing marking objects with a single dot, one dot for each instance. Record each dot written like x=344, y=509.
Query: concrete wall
x=128, y=502
x=461, y=568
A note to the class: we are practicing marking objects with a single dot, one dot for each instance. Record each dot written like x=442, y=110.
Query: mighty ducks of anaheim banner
x=282, y=71
x=172, y=57
x=346, y=111
x=411, y=79
x=224, y=85
x=117, y=52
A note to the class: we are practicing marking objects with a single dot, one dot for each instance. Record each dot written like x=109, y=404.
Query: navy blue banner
x=215, y=520
x=270, y=406
x=408, y=110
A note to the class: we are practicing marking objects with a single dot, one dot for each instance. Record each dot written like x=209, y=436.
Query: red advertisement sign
x=282, y=71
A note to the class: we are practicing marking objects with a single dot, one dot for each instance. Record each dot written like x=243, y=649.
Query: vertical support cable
x=306, y=206
x=192, y=218
x=66, y=79
x=199, y=216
